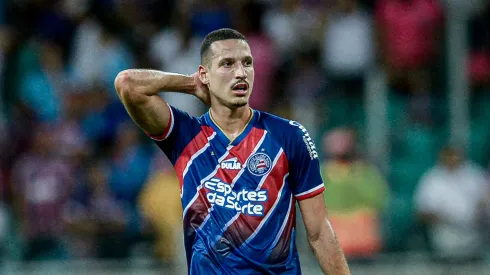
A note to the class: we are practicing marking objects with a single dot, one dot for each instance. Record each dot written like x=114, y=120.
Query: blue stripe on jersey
x=246, y=181
x=203, y=166
x=257, y=248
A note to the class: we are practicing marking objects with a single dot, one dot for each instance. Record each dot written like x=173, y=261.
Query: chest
x=256, y=162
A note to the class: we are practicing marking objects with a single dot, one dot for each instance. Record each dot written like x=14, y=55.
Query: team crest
x=259, y=164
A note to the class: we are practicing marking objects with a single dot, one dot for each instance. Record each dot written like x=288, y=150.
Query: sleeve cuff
x=310, y=193
x=168, y=130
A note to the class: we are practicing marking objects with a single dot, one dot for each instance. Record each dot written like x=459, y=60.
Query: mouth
x=240, y=88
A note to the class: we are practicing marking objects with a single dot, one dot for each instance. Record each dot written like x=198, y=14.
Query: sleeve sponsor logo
x=310, y=145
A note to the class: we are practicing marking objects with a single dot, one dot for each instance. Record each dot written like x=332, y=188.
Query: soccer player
x=241, y=171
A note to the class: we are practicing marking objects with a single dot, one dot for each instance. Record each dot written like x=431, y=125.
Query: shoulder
x=474, y=171
x=433, y=176
x=182, y=117
x=279, y=126
x=290, y=134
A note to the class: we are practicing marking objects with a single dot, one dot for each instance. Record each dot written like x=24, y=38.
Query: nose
x=240, y=71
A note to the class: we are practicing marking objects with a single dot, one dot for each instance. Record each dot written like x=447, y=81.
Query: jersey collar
x=221, y=134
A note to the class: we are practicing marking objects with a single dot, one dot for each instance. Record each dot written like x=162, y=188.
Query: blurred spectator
x=408, y=43
x=479, y=57
x=42, y=183
x=42, y=79
x=71, y=140
x=408, y=32
x=292, y=25
x=160, y=204
x=177, y=49
x=479, y=68
x=449, y=200
x=98, y=55
x=356, y=195
x=348, y=46
x=130, y=163
x=97, y=220
x=99, y=119
x=347, y=53
x=303, y=84
x=129, y=169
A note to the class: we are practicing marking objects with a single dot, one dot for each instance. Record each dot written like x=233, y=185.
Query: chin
x=240, y=102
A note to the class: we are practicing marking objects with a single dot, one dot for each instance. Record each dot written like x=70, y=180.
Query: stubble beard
x=233, y=103
x=239, y=102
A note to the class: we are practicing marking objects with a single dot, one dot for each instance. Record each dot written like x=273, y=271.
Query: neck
x=231, y=121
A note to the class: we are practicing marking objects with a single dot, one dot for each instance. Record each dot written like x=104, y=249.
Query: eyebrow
x=228, y=59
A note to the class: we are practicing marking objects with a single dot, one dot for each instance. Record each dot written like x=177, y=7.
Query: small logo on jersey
x=231, y=164
x=259, y=164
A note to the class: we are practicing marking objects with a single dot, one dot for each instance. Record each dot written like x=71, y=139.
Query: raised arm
x=321, y=237
x=139, y=92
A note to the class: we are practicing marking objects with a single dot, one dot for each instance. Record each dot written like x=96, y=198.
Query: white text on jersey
x=231, y=164
x=248, y=202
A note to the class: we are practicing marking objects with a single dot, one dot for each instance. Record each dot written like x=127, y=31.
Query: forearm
x=328, y=252
x=151, y=82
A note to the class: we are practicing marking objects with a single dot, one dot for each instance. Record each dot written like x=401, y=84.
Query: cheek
x=218, y=82
x=251, y=73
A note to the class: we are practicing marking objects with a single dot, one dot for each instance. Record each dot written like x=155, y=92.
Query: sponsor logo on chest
x=231, y=164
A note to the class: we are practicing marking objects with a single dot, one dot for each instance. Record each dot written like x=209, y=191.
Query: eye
x=227, y=64
x=248, y=63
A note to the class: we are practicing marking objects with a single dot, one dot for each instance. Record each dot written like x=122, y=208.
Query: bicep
x=314, y=215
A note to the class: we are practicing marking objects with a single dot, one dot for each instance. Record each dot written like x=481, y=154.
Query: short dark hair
x=218, y=35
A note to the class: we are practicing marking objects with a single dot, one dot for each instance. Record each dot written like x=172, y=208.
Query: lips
x=240, y=87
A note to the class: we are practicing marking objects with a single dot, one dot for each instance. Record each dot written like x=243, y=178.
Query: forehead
x=230, y=48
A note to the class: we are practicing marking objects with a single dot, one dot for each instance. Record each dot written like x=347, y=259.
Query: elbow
x=126, y=88
x=122, y=83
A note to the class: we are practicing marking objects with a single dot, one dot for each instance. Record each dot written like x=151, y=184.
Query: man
x=240, y=170
x=355, y=196
x=450, y=200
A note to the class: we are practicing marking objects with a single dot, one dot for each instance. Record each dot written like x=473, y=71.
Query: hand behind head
x=201, y=90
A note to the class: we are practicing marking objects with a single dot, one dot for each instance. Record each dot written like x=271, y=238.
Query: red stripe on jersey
x=196, y=144
x=167, y=129
x=244, y=226
x=281, y=251
x=315, y=191
x=241, y=152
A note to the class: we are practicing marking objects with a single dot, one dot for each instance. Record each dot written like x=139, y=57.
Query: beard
x=239, y=102
x=233, y=103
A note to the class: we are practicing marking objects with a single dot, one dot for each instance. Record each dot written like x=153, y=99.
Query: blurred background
x=396, y=94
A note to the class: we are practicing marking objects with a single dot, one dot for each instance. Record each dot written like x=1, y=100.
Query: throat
x=232, y=127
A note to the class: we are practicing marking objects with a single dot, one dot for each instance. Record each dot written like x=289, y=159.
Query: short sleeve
x=181, y=129
x=304, y=166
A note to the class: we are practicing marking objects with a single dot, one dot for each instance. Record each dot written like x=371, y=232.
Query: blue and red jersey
x=239, y=196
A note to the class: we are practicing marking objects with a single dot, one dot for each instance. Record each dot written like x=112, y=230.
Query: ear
x=203, y=74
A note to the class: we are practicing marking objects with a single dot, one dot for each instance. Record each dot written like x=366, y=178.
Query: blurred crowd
x=79, y=180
